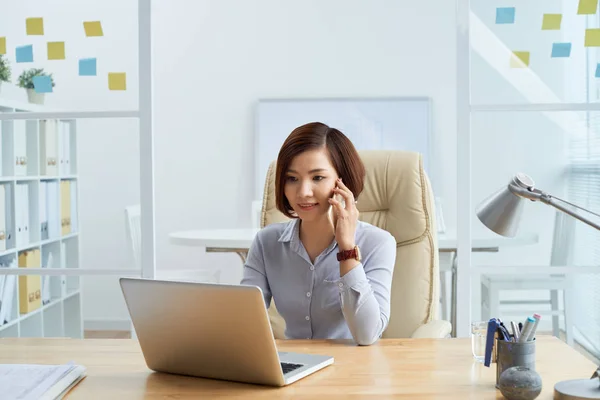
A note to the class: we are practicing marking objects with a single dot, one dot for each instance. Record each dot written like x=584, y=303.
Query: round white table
x=239, y=240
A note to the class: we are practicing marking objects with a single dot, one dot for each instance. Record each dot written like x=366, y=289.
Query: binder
x=20, y=138
x=43, y=210
x=67, y=148
x=48, y=147
x=65, y=207
x=64, y=152
x=7, y=298
x=2, y=221
x=52, y=210
x=73, y=216
x=30, y=286
x=22, y=211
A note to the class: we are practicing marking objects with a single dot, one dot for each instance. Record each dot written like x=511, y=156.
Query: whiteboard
x=371, y=124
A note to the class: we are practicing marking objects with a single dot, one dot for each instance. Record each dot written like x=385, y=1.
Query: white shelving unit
x=39, y=194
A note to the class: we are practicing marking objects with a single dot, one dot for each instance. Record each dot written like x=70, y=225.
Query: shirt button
x=307, y=294
x=307, y=318
x=312, y=267
x=340, y=284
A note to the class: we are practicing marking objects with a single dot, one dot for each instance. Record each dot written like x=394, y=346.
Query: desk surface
x=411, y=368
x=242, y=239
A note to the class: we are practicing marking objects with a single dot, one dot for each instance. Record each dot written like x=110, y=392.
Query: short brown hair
x=311, y=136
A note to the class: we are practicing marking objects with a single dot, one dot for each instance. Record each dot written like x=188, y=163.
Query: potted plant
x=26, y=82
x=4, y=70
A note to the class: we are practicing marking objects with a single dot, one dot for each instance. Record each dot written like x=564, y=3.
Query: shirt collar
x=291, y=234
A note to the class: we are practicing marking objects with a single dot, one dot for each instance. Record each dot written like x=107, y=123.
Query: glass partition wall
x=528, y=94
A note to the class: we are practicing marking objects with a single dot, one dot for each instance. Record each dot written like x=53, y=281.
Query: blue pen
x=489, y=344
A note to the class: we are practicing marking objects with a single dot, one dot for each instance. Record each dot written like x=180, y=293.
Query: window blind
x=584, y=190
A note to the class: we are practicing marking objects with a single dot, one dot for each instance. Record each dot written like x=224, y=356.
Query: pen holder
x=513, y=354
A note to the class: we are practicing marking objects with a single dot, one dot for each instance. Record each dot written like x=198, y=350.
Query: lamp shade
x=501, y=212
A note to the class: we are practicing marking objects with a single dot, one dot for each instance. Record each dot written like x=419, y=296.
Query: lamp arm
x=534, y=194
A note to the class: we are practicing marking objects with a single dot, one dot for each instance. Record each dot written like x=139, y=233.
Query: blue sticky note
x=505, y=15
x=597, y=75
x=87, y=67
x=25, y=53
x=561, y=49
x=42, y=84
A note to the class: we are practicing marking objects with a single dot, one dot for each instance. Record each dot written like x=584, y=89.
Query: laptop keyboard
x=289, y=367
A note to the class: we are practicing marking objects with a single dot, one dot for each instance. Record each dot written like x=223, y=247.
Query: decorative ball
x=520, y=383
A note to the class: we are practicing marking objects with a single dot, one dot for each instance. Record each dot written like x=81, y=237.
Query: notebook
x=39, y=382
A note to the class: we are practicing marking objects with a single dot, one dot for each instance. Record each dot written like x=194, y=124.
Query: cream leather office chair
x=397, y=197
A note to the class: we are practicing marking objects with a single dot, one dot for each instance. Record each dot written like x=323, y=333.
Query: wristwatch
x=349, y=254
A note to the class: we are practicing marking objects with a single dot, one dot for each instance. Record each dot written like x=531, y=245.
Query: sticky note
x=87, y=67
x=24, y=53
x=56, y=50
x=505, y=15
x=597, y=74
x=592, y=38
x=34, y=26
x=561, y=50
x=519, y=59
x=2, y=45
x=42, y=84
x=587, y=7
x=93, y=28
x=116, y=81
x=551, y=22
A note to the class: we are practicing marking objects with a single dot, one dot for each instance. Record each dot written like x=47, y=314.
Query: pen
x=515, y=330
x=537, y=318
x=526, y=330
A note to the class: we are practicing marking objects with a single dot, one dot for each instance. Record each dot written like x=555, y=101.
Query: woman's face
x=309, y=183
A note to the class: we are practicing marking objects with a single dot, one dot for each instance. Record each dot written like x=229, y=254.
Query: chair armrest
x=433, y=329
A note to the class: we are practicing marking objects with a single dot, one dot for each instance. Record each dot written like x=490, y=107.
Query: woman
x=329, y=274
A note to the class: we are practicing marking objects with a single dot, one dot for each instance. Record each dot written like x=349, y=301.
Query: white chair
x=562, y=249
x=134, y=237
x=134, y=233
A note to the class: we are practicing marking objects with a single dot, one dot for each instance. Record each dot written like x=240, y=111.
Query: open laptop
x=211, y=330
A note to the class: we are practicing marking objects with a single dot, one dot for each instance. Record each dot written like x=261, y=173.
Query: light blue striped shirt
x=314, y=301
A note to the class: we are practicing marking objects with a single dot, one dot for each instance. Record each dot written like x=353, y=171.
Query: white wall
x=226, y=60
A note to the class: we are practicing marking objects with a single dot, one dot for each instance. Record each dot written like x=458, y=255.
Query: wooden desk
x=407, y=368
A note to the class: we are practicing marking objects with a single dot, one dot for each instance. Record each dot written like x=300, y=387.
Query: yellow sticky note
x=2, y=45
x=551, y=21
x=519, y=59
x=34, y=26
x=587, y=7
x=117, y=81
x=592, y=38
x=93, y=28
x=56, y=50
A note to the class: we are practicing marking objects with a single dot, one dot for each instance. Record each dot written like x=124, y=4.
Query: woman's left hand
x=347, y=217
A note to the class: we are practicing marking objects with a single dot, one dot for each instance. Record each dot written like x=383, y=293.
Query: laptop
x=211, y=330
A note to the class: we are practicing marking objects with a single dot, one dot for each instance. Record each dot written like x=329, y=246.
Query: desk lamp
x=501, y=213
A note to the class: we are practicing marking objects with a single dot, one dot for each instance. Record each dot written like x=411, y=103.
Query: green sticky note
x=93, y=28
x=2, y=45
x=551, y=22
x=117, y=81
x=56, y=50
x=592, y=38
x=34, y=26
x=587, y=7
x=519, y=59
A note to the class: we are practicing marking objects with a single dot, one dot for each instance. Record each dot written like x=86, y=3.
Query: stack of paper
x=43, y=382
